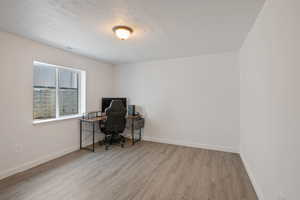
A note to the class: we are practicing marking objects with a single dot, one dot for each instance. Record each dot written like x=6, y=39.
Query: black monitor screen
x=106, y=102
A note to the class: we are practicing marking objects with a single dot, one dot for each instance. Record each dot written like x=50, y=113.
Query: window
x=58, y=92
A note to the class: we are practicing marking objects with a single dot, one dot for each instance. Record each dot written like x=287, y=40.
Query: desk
x=92, y=121
x=132, y=118
x=99, y=119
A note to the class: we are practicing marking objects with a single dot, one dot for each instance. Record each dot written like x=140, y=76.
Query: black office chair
x=115, y=124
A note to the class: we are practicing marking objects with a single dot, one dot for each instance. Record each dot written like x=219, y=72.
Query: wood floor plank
x=147, y=171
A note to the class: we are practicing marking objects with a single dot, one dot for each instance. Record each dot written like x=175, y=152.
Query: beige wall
x=23, y=144
x=270, y=101
x=190, y=101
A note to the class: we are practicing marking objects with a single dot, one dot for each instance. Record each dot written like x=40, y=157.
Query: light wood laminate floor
x=146, y=171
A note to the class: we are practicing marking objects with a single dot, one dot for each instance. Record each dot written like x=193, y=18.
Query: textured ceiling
x=163, y=29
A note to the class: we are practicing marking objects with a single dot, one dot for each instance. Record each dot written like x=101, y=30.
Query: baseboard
x=252, y=177
x=40, y=161
x=37, y=162
x=47, y=158
x=189, y=144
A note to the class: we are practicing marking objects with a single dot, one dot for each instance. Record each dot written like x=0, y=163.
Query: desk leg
x=140, y=135
x=80, y=134
x=132, y=131
x=93, y=137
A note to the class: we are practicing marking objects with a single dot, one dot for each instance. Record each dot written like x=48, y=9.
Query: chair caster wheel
x=122, y=145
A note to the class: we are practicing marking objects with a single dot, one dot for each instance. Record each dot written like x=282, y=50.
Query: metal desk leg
x=132, y=131
x=80, y=134
x=93, y=137
x=140, y=135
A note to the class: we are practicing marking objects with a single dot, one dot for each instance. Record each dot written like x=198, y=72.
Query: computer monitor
x=107, y=101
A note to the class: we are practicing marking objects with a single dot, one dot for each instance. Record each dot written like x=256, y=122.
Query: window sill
x=56, y=119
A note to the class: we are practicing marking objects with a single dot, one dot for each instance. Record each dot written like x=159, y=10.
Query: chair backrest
x=116, y=121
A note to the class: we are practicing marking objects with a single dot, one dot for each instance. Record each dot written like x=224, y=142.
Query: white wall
x=23, y=144
x=270, y=101
x=191, y=101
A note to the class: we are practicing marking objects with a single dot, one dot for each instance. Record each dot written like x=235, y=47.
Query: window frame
x=81, y=92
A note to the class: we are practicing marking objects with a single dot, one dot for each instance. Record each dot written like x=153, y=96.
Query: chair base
x=114, y=139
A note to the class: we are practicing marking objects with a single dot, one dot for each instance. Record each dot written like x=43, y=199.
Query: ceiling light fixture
x=122, y=32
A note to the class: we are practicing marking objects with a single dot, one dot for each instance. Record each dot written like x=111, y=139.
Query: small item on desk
x=131, y=110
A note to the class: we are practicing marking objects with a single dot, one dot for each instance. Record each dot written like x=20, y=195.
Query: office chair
x=115, y=124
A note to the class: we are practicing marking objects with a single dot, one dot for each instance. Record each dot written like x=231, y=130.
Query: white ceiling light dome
x=122, y=32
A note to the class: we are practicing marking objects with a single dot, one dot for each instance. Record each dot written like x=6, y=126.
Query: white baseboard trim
x=252, y=178
x=37, y=162
x=189, y=144
x=47, y=158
